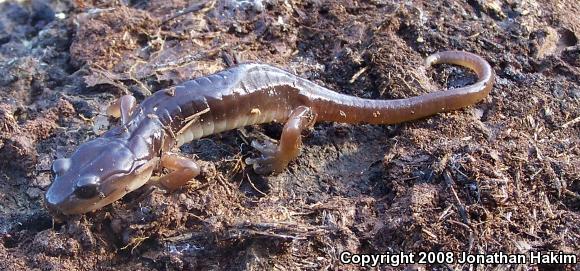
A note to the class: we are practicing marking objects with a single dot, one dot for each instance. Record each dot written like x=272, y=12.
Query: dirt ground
x=503, y=175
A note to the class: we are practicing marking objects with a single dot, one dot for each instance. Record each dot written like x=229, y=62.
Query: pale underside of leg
x=275, y=158
x=183, y=170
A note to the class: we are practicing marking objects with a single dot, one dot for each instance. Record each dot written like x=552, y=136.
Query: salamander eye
x=87, y=187
x=60, y=166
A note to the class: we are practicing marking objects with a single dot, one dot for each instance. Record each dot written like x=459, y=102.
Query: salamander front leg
x=122, y=107
x=182, y=169
x=275, y=158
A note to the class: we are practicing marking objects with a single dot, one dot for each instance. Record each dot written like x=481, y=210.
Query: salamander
x=123, y=159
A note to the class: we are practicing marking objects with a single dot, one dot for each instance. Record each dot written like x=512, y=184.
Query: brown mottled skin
x=123, y=159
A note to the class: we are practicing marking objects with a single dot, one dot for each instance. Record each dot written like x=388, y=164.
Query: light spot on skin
x=342, y=114
x=376, y=114
x=255, y=111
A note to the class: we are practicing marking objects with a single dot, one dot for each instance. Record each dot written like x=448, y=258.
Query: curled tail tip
x=462, y=58
x=445, y=56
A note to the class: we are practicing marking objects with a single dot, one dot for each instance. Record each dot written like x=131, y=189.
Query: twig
x=254, y=186
x=191, y=119
x=572, y=122
x=193, y=8
x=357, y=75
x=460, y=206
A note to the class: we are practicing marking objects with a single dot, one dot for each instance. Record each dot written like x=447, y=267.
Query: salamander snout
x=98, y=173
x=86, y=188
x=93, y=176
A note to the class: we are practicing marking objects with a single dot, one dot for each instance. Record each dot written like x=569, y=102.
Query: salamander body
x=123, y=159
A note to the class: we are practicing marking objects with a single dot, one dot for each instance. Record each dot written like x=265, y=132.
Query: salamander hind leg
x=275, y=158
x=182, y=169
x=122, y=107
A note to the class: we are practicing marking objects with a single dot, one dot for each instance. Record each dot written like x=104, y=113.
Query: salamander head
x=99, y=172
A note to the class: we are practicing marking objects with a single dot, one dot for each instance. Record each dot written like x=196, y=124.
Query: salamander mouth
x=73, y=205
x=53, y=210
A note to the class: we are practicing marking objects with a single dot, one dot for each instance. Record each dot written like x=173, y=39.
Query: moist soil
x=500, y=176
